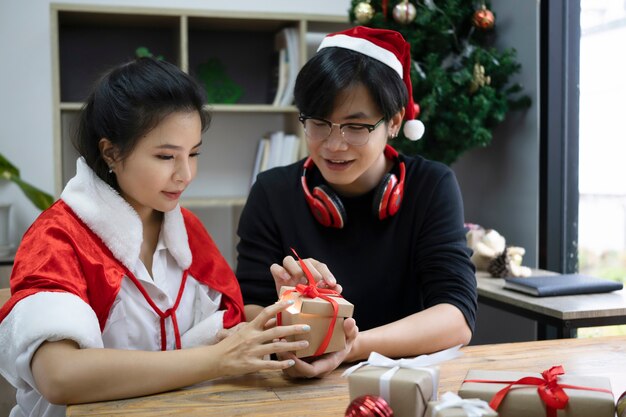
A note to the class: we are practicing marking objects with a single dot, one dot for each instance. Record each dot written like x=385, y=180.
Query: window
x=602, y=145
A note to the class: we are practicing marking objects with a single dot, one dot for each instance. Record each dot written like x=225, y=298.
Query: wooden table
x=565, y=313
x=268, y=394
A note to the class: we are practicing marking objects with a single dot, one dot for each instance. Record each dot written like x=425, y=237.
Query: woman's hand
x=321, y=366
x=291, y=274
x=246, y=345
x=224, y=333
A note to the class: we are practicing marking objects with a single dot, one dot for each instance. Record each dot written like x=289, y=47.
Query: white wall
x=500, y=183
x=26, y=136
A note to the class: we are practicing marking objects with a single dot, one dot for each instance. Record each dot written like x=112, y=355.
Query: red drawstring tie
x=170, y=312
x=550, y=391
x=311, y=291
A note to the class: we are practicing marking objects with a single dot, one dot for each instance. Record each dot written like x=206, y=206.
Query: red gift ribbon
x=311, y=291
x=550, y=391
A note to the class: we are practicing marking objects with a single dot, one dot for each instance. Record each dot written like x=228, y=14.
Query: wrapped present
x=522, y=394
x=451, y=405
x=324, y=312
x=322, y=309
x=406, y=384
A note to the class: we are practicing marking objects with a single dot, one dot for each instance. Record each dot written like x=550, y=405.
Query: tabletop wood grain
x=269, y=394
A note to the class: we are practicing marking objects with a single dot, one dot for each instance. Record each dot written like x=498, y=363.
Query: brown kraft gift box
x=524, y=400
x=410, y=389
x=317, y=313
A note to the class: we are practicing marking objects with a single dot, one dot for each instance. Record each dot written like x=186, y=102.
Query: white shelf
x=217, y=108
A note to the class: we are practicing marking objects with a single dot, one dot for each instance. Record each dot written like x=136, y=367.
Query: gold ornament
x=404, y=13
x=483, y=18
x=479, y=79
x=363, y=12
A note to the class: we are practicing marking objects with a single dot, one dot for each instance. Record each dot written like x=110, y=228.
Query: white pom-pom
x=413, y=129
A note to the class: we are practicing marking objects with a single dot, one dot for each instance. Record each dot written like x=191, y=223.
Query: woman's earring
x=110, y=169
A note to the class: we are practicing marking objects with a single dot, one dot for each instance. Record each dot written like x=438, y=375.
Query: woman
x=388, y=228
x=115, y=278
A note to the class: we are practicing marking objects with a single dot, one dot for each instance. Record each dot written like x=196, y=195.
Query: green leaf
x=40, y=199
x=7, y=169
x=142, y=52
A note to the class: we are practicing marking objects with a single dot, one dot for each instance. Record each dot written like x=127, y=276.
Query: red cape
x=60, y=253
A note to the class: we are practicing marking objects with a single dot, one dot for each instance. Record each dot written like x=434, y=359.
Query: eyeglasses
x=356, y=134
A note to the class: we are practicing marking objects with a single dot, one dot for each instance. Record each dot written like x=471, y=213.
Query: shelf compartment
x=91, y=43
x=242, y=48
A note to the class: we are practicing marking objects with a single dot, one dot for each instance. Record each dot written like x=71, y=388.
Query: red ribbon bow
x=311, y=291
x=549, y=389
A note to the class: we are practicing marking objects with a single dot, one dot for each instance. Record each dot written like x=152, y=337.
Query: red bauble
x=369, y=406
x=484, y=18
x=417, y=109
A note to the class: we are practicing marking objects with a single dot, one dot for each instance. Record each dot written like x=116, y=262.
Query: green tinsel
x=445, y=46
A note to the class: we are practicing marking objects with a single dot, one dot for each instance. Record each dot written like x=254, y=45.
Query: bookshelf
x=89, y=39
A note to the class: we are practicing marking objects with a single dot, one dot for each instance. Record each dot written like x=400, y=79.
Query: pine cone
x=509, y=264
x=499, y=267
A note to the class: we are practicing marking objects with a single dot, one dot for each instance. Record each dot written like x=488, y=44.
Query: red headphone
x=328, y=209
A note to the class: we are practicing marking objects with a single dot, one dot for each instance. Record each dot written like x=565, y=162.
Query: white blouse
x=133, y=324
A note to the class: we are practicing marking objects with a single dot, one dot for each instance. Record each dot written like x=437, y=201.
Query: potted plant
x=40, y=199
x=10, y=172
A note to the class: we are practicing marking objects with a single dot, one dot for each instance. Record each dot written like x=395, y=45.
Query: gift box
x=410, y=390
x=317, y=313
x=406, y=384
x=451, y=405
x=528, y=394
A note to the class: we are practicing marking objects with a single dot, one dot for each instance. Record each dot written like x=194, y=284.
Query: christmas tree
x=461, y=82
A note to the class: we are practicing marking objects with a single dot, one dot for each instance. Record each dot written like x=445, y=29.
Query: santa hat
x=390, y=48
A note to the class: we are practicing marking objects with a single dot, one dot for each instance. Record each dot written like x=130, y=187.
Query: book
x=260, y=160
x=565, y=284
x=293, y=61
x=290, y=149
x=313, y=41
x=286, y=42
x=277, y=142
x=283, y=73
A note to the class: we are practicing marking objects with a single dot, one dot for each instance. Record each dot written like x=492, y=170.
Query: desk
x=268, y=394
x=566, y=313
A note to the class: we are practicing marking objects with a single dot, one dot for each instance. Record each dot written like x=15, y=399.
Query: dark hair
x=128, y=102
x=333, y=70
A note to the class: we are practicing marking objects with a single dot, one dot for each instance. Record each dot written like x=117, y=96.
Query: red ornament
x=417, y=110
x=369, y=406
x=483, y=18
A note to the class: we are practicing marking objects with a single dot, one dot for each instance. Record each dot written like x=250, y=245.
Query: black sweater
x=389, y=269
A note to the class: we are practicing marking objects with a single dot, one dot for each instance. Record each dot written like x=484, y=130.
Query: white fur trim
x=176, y=238
x=366, y=48
x=205, y=332
x=112, y=219
x=414, y=129
x=50, y=316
